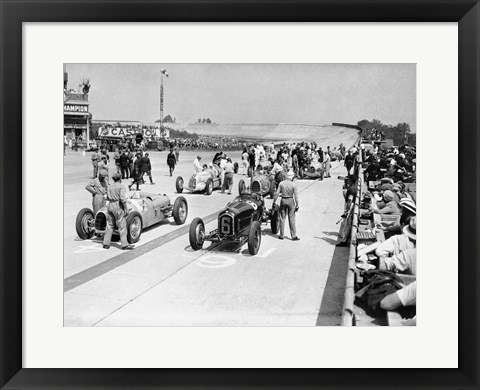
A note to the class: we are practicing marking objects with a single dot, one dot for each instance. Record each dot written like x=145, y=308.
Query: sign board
x=75, y=108
x=118, y=132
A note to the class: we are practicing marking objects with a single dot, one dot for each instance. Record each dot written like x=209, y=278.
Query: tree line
x=400, y=134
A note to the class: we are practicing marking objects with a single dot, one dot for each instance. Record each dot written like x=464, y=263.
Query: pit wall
x=348, y=316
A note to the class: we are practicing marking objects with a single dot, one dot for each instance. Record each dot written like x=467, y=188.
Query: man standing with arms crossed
x=289, y=204
x=117, y=212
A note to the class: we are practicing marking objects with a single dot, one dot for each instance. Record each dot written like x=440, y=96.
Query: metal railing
x=348, y=316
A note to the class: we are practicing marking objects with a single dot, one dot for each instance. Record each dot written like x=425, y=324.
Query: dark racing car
x=239, y=222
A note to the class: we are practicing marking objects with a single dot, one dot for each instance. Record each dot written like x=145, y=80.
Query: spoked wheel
x=254, y=238
x=84, y=224
x=180, y=210
x=134, y=227
x=196, y=234
x=179, y=184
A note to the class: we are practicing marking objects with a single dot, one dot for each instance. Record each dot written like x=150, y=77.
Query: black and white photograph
x=239, y=194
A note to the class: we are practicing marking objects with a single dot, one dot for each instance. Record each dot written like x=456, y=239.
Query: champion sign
x=75, y=108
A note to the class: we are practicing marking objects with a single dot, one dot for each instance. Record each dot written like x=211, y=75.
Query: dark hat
x=116, y=176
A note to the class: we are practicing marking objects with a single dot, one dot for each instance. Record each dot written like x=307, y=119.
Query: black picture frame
x=14, y=13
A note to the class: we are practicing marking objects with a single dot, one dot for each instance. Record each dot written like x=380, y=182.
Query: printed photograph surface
x=239, y=194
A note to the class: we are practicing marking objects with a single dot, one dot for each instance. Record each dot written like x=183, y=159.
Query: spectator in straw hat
x=409, y=210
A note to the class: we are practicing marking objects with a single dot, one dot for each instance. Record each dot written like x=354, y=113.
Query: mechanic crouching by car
x=289, y=204
x=116, y=212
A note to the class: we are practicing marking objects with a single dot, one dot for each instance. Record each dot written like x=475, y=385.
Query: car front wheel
x=84, y=223
x=196, y=234
x=254, y=238
x=134, y=227
x=179, y=184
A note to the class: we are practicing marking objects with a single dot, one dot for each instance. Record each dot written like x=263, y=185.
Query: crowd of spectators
x=295, y=158
x=390, y=203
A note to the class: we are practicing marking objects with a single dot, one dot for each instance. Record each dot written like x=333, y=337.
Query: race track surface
x=163, y=282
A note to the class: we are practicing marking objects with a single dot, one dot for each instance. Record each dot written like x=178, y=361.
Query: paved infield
x=163, y=282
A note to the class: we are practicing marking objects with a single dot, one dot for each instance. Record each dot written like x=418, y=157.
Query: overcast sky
x=252, y=93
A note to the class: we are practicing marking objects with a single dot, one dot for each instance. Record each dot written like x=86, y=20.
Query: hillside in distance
x=324, y=135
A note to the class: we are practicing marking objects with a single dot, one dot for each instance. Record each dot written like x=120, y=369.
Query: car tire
x=209, y=187
x=85, y=219
x=254, y=238
x=274, y=219
x=272, y=189
x=196, y=234
x=235, y=167
x=134, y=227
x=180, y=210
x=179, y=184
x=242, y=187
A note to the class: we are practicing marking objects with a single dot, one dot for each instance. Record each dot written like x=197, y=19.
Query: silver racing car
x=144, y=210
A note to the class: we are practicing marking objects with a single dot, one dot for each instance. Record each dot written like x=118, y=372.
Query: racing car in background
x=206, y=180
x=315, y=170
x=145, y=209
x=261, y=184
x=240, y=221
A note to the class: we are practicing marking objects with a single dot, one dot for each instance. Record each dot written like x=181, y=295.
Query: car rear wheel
x=241, y=187
x=272, y=189
x=254, y=238
x=134, y=227
x=85, y=224
x=196, y=234
x=274, y=221
x=179, y=184
x=209, y=187
x=180, y=210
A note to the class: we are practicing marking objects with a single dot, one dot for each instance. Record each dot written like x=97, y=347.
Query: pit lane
x=164, y=282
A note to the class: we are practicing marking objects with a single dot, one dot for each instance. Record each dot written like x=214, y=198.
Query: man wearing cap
x=349, y=160
x=147, y=167
x=228, y=176
x=391, y=207
x=103, y=171
x=171, y=161
x=289, y=204
x=327, y=163
x=137, y=171
x=197, y=166
x=95, y=159
x=116, y=212
x=98, y=192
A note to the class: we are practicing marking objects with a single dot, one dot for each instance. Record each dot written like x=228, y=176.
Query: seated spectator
x=405, y=262
x=409, y=210
x=399, y=243
x=390, y=207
